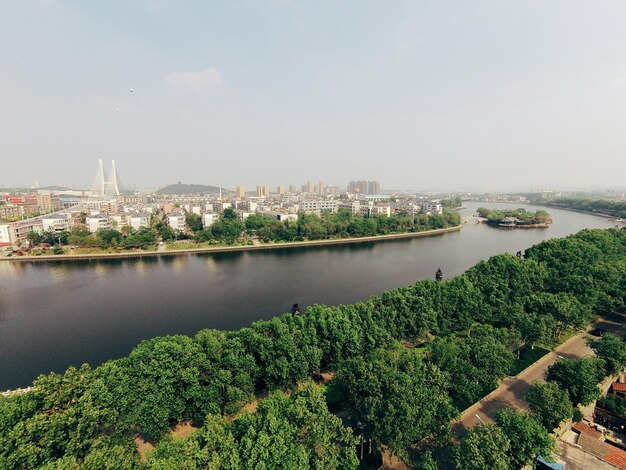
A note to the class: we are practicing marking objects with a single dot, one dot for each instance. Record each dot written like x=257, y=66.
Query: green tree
x=579, y=377
x=612, y=351
x=194, y=222
x=485, y=446
x=549, y=403
x=475, y=363
x=527, y=436
x=398, y=398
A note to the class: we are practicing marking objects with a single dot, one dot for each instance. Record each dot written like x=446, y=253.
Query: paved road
x=512, y=391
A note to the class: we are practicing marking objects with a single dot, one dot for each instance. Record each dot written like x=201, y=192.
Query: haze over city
x=415, y=94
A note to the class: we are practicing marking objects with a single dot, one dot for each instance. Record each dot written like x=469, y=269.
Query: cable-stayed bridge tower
x=106, y=185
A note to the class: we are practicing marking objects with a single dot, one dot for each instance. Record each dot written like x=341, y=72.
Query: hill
x=181, y=188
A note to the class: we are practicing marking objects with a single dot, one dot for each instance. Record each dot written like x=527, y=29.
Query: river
x=61, y=313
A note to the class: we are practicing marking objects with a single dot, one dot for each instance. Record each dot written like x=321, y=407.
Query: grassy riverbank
x=207, y=248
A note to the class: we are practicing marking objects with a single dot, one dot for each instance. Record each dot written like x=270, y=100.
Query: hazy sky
x=418, y=94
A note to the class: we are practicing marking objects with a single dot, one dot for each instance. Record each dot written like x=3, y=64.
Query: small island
x=514, y=218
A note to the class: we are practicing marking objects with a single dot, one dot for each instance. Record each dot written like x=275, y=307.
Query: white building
x=118, y=220
x=56, y=224
x=139, y=221
x=98, y=222
x=196, y=210
x=352, y=206
x=319, y=206
x=282, y=216
x=5, y=235
x=371, y=210
x=209, y=218
x=176, y=221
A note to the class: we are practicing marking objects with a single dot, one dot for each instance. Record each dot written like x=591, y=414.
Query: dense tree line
x=407, y=362
x=228, y=229
x=104, y=238
x=615, y=208
x=342, y=224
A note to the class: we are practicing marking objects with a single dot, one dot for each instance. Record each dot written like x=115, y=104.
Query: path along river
x=62, y=313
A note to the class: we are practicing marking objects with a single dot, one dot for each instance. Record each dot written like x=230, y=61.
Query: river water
x=62, y=313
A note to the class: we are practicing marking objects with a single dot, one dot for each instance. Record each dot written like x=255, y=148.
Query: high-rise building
x=240, y=192
x=280, y=190
x=309, y=187
x=364, y=187
x=321, y=188
x=262, y=190
x=293, y=188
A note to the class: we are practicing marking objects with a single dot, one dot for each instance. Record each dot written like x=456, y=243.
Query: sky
x=472, y=95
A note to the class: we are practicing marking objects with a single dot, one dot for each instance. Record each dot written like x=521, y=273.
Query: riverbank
x=227, y=249
x=597, y=214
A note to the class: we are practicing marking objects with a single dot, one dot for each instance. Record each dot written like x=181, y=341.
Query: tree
x=527, y=436
x=549, y=403
x=485, y=446
x=398, y=398
x=475, y=363
x=295, y=432
x=579, y=377
x=194, y=222
x=612, y=351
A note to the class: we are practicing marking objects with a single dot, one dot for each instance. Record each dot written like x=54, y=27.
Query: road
x=512, y=391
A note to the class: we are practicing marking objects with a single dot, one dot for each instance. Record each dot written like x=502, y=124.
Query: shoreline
x=597, y=214
x=226, y=249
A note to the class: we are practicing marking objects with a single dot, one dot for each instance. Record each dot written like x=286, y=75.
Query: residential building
x=5, y=235
x=176, y=221
x=240, y=192
x=209, y=218
x=140, y=220
x=352, y=206
x=48, y=203
x=97, y=222
x=319, y=206
x=262, y=191
x=56, y=224
x=280, y=189
x=432, y=208
x=11, y=211
x=282, y=216
x=364, y=187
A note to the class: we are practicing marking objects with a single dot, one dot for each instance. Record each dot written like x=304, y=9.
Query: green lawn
x=527, y=357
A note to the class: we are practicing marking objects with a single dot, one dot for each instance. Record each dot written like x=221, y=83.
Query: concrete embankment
x=227, y=249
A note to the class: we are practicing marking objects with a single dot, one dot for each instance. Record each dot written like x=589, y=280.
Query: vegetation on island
x=610, y=207
x=229, y=229
x=522, y=216
x=405, y=362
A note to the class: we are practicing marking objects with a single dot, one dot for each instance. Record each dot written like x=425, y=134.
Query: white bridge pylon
x=106, y=186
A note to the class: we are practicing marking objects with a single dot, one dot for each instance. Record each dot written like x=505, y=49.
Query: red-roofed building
x=589, y=442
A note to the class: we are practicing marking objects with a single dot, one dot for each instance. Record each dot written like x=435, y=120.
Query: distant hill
x=191, y=189
x=55, y=188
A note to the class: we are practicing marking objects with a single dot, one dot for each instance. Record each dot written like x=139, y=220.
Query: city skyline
x=485, y=95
